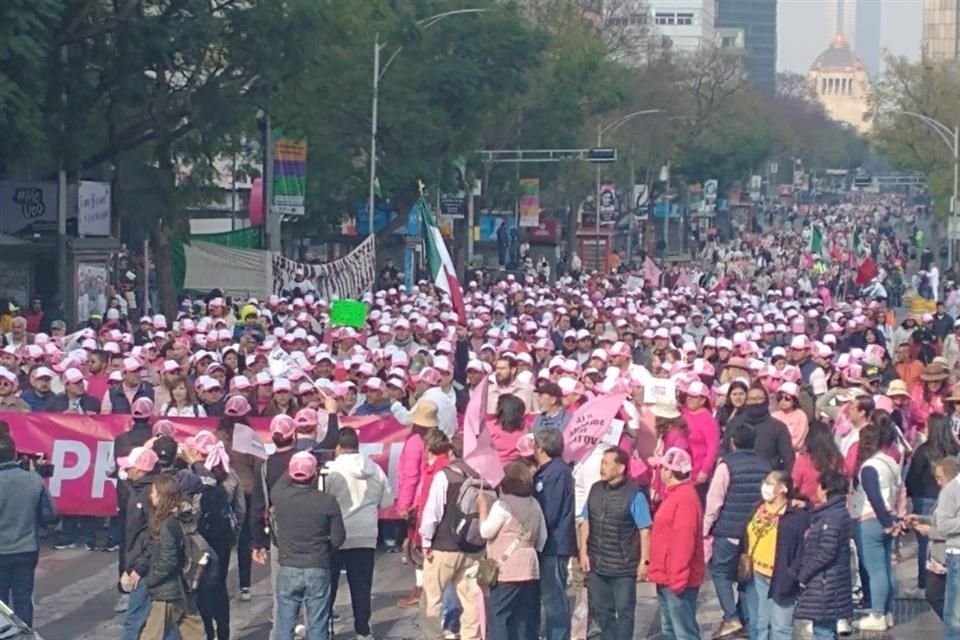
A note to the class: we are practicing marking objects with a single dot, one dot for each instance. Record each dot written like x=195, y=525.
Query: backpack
x=464, y=515
x=201, y=565
x=218, y=521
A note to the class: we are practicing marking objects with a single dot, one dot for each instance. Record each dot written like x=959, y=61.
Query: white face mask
x=768, y=492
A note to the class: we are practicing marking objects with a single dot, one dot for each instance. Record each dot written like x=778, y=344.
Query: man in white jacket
x=362, y=490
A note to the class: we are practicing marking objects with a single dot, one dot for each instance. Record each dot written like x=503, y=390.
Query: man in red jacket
x=676, y=548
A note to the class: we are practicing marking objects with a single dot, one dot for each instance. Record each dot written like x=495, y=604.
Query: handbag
x=488, y=569
x=745, y=562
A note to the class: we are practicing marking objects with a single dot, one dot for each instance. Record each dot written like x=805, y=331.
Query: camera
x=29, y=461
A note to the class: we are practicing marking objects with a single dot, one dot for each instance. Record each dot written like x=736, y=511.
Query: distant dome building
x=841, y=81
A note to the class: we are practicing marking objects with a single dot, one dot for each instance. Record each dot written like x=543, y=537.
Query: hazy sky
x=802, y=30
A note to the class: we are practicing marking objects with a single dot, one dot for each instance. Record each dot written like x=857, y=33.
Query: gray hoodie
x=25, y=506
x=362, y=490
x=946, y=515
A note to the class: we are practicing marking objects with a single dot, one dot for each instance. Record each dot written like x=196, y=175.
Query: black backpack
x=218, y=521
x=201, y=566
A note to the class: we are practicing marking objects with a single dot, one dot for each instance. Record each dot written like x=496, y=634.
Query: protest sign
x=348, y=313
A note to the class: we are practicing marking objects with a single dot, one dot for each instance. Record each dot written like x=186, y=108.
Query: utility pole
x=272, y=220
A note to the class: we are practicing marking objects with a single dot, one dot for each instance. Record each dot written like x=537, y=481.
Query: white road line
x=74, y=596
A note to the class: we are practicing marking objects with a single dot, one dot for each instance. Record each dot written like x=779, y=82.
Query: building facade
x=941, y=30
x=689, y=24
x=842, y=83
x=859, y=21
x=758, y=19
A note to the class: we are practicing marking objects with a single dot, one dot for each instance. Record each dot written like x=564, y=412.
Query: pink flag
x=651, y=272
x=478, y=452
x=684, y=278
x=589, y=424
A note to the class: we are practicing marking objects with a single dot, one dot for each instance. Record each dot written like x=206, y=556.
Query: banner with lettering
x=81, y=450
x=590, y=425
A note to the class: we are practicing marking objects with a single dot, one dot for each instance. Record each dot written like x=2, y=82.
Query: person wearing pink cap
x=308, y=530
x=677, y=566
x=788, y=412
x=39, y=393
x=74, y=398
x=282, y=400
x=120, y=400
x=10, y=401
x=703, y=432
x=375, y=402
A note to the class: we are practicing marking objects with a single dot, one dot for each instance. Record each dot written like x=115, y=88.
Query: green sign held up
x=348, y=313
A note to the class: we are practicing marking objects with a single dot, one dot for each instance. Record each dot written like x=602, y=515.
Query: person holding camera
x=25, y=507
x=309, y=529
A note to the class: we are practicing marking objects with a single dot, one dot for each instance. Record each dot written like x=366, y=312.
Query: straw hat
x=666, y=409
x=954, y=395
x=933, y=372
x=424, y=414
x=897, y=389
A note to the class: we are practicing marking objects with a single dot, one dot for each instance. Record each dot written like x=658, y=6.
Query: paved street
x=75, y=597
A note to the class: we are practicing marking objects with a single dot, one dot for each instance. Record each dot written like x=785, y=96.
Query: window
x=666, y=18
x=684, y=18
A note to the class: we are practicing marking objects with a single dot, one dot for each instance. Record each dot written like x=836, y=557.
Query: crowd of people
x=781, y=432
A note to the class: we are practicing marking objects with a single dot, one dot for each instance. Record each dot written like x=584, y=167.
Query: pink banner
x=81, y=450
x=588, y=426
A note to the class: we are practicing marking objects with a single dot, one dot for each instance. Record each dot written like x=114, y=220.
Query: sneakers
x=110, y=547
x=244, y=595
x=412, y=600
x=300, y=632
x=369, y=636
x=843, y=628
x=89, y=547
x=447, y=635
x=890, y=624
x=727, y=629
x=61, y=546
x=871, y=622
x=122, y=604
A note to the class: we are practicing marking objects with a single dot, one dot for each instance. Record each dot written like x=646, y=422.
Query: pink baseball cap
x=140, y=458
x=169, y=366
x=306, y=418
x=237, y=406
x=73, y=376
x=163, y=428
x=282, y=384
x=790, y=389
x=239, y=383
x=203, y=441
x=303, y=466
x=131, y=365
x=697, y=389
x=142, y=408
x=675, y=459
x=283, y=425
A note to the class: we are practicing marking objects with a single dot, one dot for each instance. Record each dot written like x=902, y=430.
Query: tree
x=931, y=89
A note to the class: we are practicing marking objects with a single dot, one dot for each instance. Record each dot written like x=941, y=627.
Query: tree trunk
x=164, y=262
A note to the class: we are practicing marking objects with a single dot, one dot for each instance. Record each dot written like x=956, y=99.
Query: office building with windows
x=941, y=30
x=689, y=24
x=758, y=19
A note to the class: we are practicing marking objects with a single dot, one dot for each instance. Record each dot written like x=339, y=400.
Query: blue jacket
x=791, y=531
x=35, y=400
x=25, y=506
x=553, y=489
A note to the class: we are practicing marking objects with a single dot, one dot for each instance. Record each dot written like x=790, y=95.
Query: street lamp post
x=952, y=139
x=378, y=72
x=601, y=131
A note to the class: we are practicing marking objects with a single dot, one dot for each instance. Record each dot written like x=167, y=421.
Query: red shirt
x=676, y=541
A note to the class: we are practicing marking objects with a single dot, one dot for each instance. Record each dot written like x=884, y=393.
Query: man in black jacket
x=309, y=527
x=772, y=438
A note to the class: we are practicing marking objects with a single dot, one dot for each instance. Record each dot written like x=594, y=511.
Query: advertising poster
x=529, y=202
x=92, y=279
x=289, y=174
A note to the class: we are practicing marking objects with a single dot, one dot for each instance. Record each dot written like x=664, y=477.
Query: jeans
x=922, y=507
x=513, y=611
x=553, y=597
x=723, y=573
x=951, y=599
x=678, y=614
x=451, y=609
x=359, y=566
x=214, y=604
x=825, y=630
x=16, y=582
x=874, y=547
x=245, y=549
x=138, y=608
x=309, y=588
x=768, y=620
x=82, y=529
x=612, y=602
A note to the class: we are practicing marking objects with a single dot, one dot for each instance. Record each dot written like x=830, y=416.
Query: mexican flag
x=438, y=258
x=816, y=241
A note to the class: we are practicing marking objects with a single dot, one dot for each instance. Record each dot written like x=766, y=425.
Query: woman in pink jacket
x=704, y=434
x=671, y=434
x=926, y=398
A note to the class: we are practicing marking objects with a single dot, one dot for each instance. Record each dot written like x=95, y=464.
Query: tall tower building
x=941, y=29
x=859, y=22
x=758, y=20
